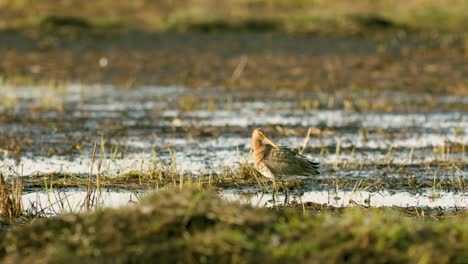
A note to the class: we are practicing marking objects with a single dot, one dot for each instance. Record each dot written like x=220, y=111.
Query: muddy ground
x=413, y=62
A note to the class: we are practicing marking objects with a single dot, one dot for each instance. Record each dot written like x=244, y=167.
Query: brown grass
x=10, y=198
x=295, y=15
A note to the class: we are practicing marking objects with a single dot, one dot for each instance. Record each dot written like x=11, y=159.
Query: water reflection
x=349, y=198
x=63, y=201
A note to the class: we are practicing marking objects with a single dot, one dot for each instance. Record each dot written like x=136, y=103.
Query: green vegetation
x=197, y=226
x=255, y=15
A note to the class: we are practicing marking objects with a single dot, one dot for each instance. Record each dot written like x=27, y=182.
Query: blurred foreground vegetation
x=198, y=226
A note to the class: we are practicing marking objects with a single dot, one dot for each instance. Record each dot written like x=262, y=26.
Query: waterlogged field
x=158, y=137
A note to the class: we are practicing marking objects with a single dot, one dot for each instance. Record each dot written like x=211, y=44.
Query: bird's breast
x=264, y=170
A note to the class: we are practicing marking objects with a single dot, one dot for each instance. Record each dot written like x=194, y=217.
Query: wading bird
x=279, y=162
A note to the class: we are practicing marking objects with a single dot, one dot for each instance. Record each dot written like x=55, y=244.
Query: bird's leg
x=274, y=193
x=286, y=193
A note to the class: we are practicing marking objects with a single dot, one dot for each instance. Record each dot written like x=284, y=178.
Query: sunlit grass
x=269, y=15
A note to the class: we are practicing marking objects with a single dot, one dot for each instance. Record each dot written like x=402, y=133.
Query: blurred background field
x=414, y=45
x=261, y=15
x=423, y=64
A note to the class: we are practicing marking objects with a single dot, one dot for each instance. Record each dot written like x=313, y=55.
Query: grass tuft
x=10, y=198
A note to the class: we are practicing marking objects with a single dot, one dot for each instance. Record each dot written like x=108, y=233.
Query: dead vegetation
x=11, y=206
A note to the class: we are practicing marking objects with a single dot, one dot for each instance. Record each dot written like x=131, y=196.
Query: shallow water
x=427, y=199
x=54, y=202
x=64, y=201
x=206, y=130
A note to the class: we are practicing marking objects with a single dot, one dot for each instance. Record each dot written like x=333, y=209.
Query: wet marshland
x=369, y=156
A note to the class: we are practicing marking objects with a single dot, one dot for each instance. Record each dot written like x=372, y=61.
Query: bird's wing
x=287, y=162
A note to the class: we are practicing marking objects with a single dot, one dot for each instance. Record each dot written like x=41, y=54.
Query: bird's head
x=257, y=135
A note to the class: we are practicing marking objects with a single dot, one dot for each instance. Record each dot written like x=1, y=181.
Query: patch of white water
x=58, y=202
x=446, y=200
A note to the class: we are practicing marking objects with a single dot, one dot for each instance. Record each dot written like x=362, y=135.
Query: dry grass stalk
x=89, y=190
x=10, y=198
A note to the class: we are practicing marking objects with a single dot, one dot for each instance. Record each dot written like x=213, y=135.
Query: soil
x=425, y=63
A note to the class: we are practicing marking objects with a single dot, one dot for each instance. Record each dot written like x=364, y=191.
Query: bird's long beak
x=267, y=140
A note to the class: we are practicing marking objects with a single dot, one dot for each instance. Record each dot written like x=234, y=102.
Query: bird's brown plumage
x=276, y=162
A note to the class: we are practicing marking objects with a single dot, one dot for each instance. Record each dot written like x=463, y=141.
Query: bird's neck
x=257, y=144
x=258, y=149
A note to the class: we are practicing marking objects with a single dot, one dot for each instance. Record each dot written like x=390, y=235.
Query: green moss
x=196, y=226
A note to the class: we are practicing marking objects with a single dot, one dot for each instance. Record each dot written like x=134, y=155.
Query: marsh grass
x=11, y=206
x=155, y=173
x=194, y=225
x=48, y=97
x=246, y=177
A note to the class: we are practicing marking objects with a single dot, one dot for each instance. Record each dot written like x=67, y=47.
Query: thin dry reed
x=10, y=198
